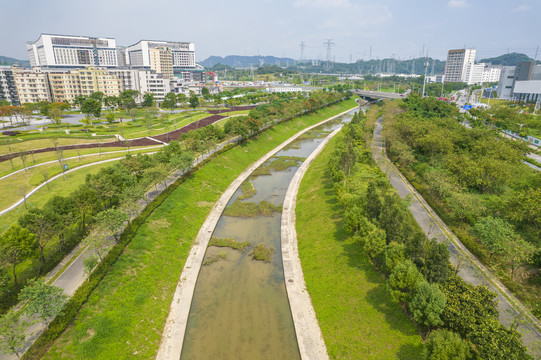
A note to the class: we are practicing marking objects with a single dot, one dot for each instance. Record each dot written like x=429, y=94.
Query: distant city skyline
x=358, y=28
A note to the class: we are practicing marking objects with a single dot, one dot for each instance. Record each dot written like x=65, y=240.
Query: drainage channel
x=240, y=308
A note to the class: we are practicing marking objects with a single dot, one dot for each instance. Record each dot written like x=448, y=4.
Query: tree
x=64, y=209
x=467, y=306
x=97, y=95
x=205, y=92
x=436, y=266
x=445, y=345
x=148, y=100
x=183, y=161
x=404, y=281
x=110, y=117
x=394, y=255
x=45, y=173
x=372, y=202
x=45, y=300
x=79, y=100
x=91, y=107
x=23, y=156
x=16, y=245
x=494, y=234
x=181, y=98
x=194, y=101
x=112, y=102
x=518, y=252
x=492, y=340
x=156, y=174
x=127, y=98
x=43, y=224
x=12, y=337
x=56, y=114
x=86, y=201
x=374, y=243
x=111, y=221
x=170, y=101
x=89, y=264
x=427, y=306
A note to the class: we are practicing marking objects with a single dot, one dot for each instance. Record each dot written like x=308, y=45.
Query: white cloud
x=323, y=3
x=523, y=7
x=457, y=3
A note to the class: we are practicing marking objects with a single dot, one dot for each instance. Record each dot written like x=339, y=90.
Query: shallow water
x=240, y=308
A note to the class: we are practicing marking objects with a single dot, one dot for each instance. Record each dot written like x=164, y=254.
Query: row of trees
x=476, y=180
x=460, y=321
x=21, y=114
x=99, y=207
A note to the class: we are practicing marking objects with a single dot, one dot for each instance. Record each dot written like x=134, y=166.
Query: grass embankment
x=357, y=316
x=130, y=305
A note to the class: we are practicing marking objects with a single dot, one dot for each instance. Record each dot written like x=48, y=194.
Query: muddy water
x=240, y=308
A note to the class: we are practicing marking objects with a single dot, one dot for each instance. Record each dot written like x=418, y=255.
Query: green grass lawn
x=354, y=310
x=33, y=177
x=125, y=315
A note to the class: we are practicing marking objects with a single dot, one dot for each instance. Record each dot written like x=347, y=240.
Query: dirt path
x=473, y=271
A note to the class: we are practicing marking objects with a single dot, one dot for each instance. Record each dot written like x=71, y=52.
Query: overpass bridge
x=377, y=95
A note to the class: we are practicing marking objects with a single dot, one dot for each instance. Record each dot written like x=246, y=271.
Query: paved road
x=473, y=271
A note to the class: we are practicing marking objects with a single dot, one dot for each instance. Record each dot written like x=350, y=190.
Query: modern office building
x=458, y=63
x=66, y=51
x=157, y=55
x=32, y=85
x=521, y=82
x=8, y=89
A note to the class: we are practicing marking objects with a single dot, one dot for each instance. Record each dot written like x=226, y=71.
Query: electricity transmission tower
x=302, y=45
x=329, y=44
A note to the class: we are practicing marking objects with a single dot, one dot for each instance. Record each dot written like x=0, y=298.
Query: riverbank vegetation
x=229, y=242
x=418, y=276
x=475, y=180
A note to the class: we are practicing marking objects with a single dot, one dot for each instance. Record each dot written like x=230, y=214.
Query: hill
x=4, y=60
x=246, y=61
x=510, y=59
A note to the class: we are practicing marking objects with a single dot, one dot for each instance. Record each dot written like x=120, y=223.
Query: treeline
x=476, y=181
x=458, y=320
x=43, y=236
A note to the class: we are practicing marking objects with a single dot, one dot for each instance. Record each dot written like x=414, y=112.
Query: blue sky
x=276, y=27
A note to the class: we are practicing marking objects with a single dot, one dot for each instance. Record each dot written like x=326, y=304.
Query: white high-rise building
x=182, y=53
x=458, y=64
x=66, y=51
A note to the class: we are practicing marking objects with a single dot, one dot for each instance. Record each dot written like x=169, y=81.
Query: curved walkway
x=472, y=271
x=175, y=326
x=20, y=202
x=76, y=157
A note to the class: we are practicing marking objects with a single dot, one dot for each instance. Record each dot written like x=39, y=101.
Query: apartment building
x=8, y=89
x=32, y=85
x=458, y=64
x=161, y=61
x=67, y=86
